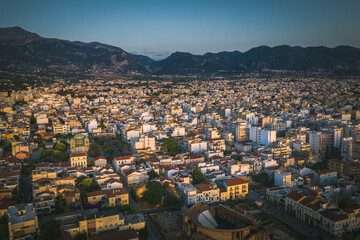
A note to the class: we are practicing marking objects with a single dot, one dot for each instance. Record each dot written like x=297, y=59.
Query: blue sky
x=158, y=28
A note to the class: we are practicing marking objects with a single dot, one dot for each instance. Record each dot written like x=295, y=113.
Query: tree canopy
x=60, y=147
x=94, y=150
x=153, y=174
x=154, y=193
x=198, y=177
x=172, y=147
x=49, y=230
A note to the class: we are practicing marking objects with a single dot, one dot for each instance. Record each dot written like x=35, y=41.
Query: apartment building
x=23, y=222
x=110, y=197
x=78, y=160
x=236, y=188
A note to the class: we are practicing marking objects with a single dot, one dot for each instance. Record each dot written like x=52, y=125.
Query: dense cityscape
x=130, y=159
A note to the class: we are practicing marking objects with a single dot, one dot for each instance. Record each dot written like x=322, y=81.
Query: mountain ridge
x=21, y=50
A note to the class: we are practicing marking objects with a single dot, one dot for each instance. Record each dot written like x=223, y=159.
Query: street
x=25, y=189
x=284, y=217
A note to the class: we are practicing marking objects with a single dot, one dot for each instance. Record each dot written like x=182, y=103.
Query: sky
x=158, y=28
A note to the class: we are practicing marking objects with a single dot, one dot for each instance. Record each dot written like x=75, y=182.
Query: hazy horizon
x=159, y=28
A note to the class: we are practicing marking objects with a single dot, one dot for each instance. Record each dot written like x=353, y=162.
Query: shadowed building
x=202, y=221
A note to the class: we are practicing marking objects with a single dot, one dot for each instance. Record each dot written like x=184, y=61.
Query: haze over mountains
x=22, y=51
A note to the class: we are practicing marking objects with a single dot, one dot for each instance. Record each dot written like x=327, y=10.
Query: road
x=153, y=233
x=25, y=189
x=284, y=217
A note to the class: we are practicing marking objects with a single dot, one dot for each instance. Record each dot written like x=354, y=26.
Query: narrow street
x=25, y=190
x=284, y=217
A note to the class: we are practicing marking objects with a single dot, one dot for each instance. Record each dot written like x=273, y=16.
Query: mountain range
x=23, y=51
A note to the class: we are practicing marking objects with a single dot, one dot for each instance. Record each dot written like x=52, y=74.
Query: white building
x=255, y=134
x=92, y=125
x=61, y=128
x=178, y=132
x=262, y=136
x=282, y=178
x=117, y=161
x=269, y=163
x=143, y=142
x=346, y=147
x=197, y=146
x=267, y=137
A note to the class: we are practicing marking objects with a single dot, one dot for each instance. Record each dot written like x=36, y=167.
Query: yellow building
x=23, y=222
x=236, y=188
x=40, y=174
x=111, y=197
x=133, y=177
x=78, y=160
x=79, y=143
x=95, y=223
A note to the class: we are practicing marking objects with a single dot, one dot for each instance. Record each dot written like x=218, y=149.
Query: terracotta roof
x=110, y=192
x=123, y=157
x=237, y=181
x=306, y=201
x=334, y=216
x=295, y=196
x=78, y=155
x=203, y=187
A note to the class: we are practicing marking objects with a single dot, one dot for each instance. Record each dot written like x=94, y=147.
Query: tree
x=86, y=182
x=172, y=147
x=153, y=174
x=60, y=204
x=142, y=160
x=88, y=185
x=143, y=233
x=60, y=147
x=262, y=178
x=154, y=193
x=347, y=203
x=170, y=200
x=81, y=236
x=4, y=230
x=198, y=176
x=94, y=150
x=49, y=230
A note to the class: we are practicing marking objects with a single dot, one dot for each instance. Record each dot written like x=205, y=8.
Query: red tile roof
x=237, y=181
x=295, y=196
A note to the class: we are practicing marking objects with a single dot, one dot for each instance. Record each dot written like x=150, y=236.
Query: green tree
x=172, y=147
x=142, y=160
x=198, y=177
x=49, y=230
x=94, y=150
x=154, y=193
x=170, y=200
x=60, y=147
x=347, y=203
x=88, y=185
x=153, y=174
x=143, y=233
x=262, y=178
x=86, y=182
x=81, y=236
x=4, y=230
x=60, y=204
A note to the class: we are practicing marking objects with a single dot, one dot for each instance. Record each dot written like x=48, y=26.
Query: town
x=247, y=158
